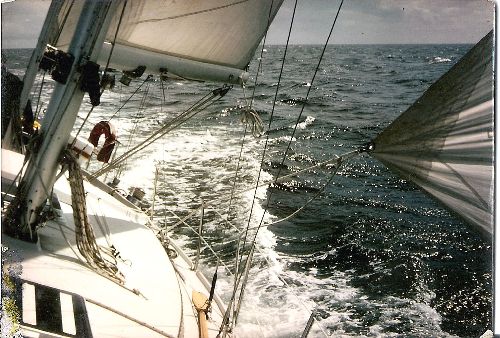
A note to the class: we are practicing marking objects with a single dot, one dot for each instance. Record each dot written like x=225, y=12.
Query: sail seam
x=193, y=13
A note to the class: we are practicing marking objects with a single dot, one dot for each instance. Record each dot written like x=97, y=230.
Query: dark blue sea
x=370, y=256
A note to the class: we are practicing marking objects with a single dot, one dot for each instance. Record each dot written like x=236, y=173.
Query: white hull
x=155, y=299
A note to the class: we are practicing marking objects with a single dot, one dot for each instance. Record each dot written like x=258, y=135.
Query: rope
x=104, y=74
x=301, y=112
x=133, y=134
x=38, y=106
x=81, y=126
x=250, y=115
x=196, y=108
x=99, y=258
x=114, y=38
x=266, y=145
x=310, y=87
x=269, y=125
x=63, y=24
x=252, y=118
x=130, y=97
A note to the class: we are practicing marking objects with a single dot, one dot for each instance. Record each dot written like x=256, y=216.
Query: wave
x=438, y=59
x=293, y=186
x=307, y=122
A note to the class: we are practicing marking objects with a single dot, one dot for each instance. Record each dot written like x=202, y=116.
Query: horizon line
x=337, y=44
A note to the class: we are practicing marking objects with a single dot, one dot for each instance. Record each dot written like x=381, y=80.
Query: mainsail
x=200, y=40
x=444, y=141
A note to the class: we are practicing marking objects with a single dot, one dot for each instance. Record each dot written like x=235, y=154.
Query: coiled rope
x=252, y=118
x=100, y=258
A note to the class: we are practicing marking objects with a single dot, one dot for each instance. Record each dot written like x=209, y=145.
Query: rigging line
x=105, y=71
x=134, y=130
x=206, y=244
x=240, y=260
x=302, y=109
x=238, y=165
x=270, y=121
x=309, y=88
x=136, y=125
x=114, y=38
x=182, y=118
x=340, y=160
x=242, y=141
x=39, y=96
x=196, y=108
x=238, y=277
x=61, y=27
x=228, y=311
x=320, y=191
x=282, y=178
x=130, y=97
x=163, y=92
x=81, y=126
x=147, y=142
x=259, y=67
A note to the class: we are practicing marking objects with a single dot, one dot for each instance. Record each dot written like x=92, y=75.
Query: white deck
x=155, y=300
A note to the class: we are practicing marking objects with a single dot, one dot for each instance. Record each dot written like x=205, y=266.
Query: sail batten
x=217, y=34
x=444, y=142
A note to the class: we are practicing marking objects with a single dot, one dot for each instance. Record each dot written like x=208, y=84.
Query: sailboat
x=84, y=260
x=81, y=259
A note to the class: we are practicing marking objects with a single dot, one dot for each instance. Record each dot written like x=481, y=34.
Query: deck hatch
x=51, y=310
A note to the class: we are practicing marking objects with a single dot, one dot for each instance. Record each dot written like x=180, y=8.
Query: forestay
x=444, y=141
x=199, y=40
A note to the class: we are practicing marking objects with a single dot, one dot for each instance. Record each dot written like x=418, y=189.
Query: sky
x=360, y=21
x=385, y=21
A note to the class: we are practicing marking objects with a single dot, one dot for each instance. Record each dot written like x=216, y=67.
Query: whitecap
x=307, y=122
x=438, y=59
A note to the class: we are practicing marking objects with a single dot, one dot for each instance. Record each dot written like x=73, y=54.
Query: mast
x=62, y=110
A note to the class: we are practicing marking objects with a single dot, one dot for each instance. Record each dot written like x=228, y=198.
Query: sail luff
x=444, y=142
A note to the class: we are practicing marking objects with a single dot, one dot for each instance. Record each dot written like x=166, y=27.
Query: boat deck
x=155, y=298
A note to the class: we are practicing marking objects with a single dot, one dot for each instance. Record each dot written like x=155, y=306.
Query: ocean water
x=371, y=256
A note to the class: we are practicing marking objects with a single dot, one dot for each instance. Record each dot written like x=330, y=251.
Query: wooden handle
x=200, y=302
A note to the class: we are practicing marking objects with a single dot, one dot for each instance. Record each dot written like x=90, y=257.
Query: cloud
x=360, y=21
x=388, y=21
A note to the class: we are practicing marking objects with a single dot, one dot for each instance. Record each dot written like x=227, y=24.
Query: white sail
x=201, y=40
x=444, y=141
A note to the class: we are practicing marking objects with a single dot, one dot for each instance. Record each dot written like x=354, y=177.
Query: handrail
x=201, y=239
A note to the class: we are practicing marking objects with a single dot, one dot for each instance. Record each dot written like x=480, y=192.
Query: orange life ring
x=108, y=130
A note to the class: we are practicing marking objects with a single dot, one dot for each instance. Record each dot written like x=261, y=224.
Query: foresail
x=201, y=40
x=444, y=141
